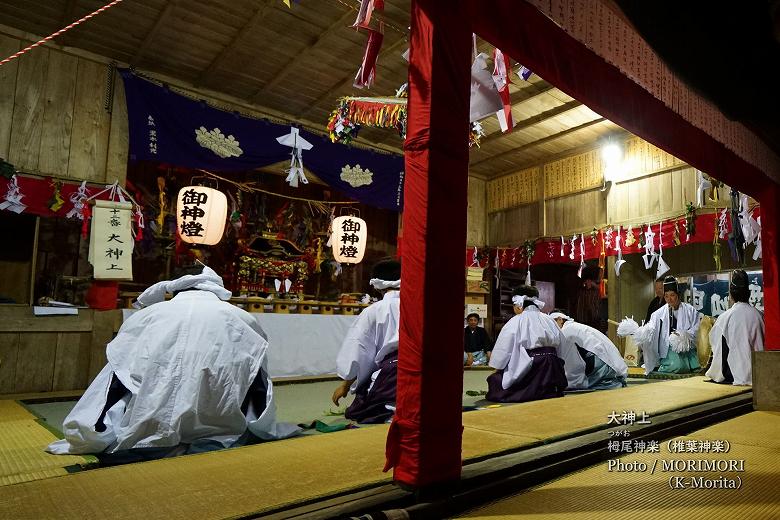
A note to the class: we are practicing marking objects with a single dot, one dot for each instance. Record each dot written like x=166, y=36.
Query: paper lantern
x=201, y=214
x=348, y=239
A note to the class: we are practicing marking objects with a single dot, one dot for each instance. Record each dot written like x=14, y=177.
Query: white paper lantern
x=201, y=214
x=348, y=239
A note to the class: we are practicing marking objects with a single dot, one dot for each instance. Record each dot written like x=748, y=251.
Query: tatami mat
x=13, y=411
x=268, y=476
x=596, y=493
x=553, y=418
x=22, y=441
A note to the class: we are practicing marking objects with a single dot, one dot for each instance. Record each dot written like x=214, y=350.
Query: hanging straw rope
x=64, y=29
x=320, y=205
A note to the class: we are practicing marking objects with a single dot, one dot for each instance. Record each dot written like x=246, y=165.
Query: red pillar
x=770, y=246
x=424, y=443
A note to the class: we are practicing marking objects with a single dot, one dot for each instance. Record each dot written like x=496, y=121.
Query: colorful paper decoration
x=366, y=74
x=367, y=8
x=501, y=79
x=619, y=262
x=485, y=99
x=13, y=197
x=352, y=113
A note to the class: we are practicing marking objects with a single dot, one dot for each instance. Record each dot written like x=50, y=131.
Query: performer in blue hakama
x=529, y=355
x=368, y=359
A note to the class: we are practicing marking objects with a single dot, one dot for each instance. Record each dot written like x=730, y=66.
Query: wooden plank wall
x=513, y=226
x=577, y=213
x=477, y=213
x=652, y=197
x=53, y=353
x=53, y=120
x=571, y=199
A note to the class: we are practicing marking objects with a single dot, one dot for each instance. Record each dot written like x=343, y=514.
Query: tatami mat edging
x=266, y=477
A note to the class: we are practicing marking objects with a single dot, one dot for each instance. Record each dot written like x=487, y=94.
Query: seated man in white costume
x=736, y=334
x=604, y=366
x=368, y=359
x=184, y=375
x=529, y=365
x=668, y=340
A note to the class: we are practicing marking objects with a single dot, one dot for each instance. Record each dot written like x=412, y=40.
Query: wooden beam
x=257, y=17
x=153, y=32
x=538, y=142
x=529, y=92
x=534, y=120
x=280, y=76
x=349, y=79
x=68, y=16
x=621, y=135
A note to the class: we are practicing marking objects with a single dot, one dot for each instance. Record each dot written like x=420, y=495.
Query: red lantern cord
x=64, y=29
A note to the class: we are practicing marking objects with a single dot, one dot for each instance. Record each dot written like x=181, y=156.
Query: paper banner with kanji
x=111, y=241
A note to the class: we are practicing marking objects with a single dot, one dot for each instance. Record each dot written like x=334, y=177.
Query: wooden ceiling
x=298, y=62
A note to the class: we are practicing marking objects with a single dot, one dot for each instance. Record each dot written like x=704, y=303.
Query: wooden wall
x=579, y=212
x=53, y=119
x=513, y=226
x=53, y=353
x=652, y=197
x=476, y=230
x=570, y=195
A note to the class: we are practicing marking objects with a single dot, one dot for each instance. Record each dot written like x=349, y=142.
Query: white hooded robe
x=742, y=326
x=187, y=364
x=528, y=330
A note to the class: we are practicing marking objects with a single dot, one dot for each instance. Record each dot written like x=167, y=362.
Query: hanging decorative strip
x=378, y=112
x=655, y=238
x=352, y=113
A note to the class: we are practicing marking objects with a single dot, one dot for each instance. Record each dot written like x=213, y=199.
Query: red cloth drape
x=424, y=442
x=525, y=34
x=548, y=250
x=37, y=194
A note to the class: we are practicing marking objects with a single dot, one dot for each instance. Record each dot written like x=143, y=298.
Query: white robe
x=743, y=327
x=688, y=320
x=594, y=341
x=528, y=330
x=188, y=364
x=372, y=337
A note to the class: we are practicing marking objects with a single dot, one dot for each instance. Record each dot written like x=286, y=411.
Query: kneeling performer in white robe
x=736, y=334
x=184, y=375
x=604, y=366
x=529, y=355
x=368, y=359
x=668, y=340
